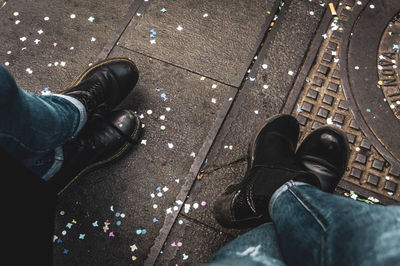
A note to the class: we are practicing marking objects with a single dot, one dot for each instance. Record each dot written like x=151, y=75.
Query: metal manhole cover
x=354, y=84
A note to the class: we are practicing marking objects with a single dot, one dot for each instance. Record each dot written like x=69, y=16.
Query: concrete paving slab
x=178, y=32
x=144, y=185
x=262, y=97
x=45, y=44
x=191, y=243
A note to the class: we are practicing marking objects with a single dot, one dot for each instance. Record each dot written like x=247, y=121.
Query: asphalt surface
x=211, y=73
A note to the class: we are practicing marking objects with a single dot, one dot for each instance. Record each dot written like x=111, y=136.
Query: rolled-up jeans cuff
x=80, y=107
x=281, y=190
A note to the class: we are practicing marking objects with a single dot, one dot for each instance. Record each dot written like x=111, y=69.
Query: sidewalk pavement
x=210, y=74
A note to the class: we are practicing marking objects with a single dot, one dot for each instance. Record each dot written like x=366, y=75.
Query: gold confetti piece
x=332, y=8
x=73, y=221
x=200, y=176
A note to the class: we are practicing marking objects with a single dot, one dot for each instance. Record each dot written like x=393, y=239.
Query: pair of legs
x=47, y=141
x=61, y=136
x=289, y=193
x=312, y=227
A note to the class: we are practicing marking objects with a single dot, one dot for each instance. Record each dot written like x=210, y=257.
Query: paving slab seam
x=245, y=86
x=207, y=144
x=206, y=225
x=129, y=18
x=175, y=65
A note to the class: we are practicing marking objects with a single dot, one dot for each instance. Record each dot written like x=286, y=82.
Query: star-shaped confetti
x=133, y=247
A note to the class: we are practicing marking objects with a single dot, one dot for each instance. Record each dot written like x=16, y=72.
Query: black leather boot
x=104, y=139
x=271, y=163
x=325, y=153
x=104, y=85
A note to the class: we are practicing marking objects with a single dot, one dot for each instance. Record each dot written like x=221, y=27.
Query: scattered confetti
x=170, y=145
x=180, y=28
x=205, y=15
x=133, y=247
x=91, y=19
x=81, y=236
x=185, y=257
x=332, y=8
x=72, y=16
x=163, y=10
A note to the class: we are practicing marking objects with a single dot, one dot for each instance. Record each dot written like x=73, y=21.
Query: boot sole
x=135, y=136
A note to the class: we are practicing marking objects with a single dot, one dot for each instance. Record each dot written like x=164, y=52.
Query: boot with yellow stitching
x=104, y=139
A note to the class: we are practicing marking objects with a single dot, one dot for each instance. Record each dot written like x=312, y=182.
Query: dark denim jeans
x=311, y=227
x=33, y=127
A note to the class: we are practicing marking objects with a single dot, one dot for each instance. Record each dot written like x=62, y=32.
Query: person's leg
x=318, y=228
x=259, y=246
x=33, y=127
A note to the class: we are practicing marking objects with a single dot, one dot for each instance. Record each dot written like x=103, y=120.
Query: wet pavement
x=210, y=74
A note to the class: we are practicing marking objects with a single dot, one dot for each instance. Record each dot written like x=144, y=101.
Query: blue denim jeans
x=33, y=127
x=311, y=227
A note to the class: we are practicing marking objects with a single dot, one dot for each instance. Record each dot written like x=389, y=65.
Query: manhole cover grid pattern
x=322, y=102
